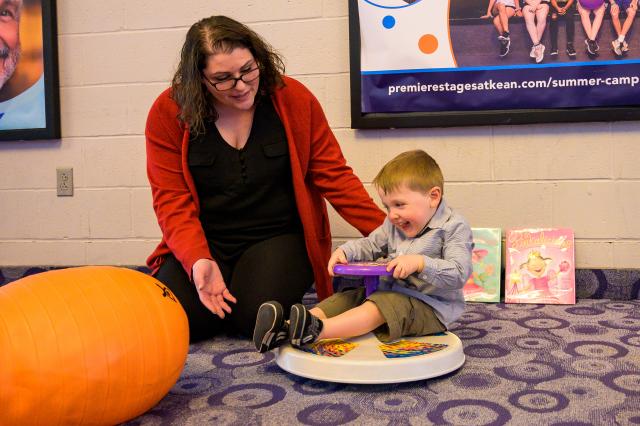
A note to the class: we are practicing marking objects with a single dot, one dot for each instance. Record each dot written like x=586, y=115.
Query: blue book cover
x=484, y=283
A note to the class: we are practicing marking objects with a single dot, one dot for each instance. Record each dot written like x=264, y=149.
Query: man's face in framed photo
x=9, y=38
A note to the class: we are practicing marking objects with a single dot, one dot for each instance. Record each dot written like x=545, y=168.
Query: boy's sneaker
x=553, y=51
x=304, y=328
x=591, y=47
x=270, y=330
x=571, y=51
x=617, y=47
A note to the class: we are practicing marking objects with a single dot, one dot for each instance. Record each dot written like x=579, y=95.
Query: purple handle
x=370, y=284
x=361, y=269
x=370, y=271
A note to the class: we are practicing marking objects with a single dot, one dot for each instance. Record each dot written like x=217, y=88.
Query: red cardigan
x=318, y=168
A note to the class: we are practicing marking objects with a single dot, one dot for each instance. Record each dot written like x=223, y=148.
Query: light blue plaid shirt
x=446, y=245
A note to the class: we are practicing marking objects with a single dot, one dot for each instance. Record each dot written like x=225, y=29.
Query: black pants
x=274, y=269
x=568, y=19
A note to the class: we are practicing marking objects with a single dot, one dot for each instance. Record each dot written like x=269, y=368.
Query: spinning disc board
x=366, y=360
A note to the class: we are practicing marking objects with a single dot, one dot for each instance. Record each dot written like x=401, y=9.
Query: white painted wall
x=116, y=56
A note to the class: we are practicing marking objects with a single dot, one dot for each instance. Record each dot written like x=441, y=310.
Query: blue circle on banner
x=388, y=22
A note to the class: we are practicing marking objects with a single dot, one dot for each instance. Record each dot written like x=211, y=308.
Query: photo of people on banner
x=475, y=55
x=542, y=19
x=22, y=91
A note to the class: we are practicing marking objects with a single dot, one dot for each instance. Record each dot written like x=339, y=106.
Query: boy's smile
x=409, y=210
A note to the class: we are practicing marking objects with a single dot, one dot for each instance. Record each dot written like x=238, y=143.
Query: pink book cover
x=540, y=266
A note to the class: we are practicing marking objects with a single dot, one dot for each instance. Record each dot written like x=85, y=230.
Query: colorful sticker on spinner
x=330, y=347
x=407, y=348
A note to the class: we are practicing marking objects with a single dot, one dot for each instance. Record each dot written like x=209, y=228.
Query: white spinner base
x=366, y=364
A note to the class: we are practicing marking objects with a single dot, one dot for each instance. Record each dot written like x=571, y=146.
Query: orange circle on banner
x=428, y=44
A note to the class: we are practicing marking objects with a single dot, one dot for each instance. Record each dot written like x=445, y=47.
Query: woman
x=240, y=159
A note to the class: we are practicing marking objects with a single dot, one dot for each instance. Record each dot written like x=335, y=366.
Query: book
x=484, y=283
x=540, y=266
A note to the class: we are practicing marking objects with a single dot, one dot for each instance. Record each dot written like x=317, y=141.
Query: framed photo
x=437, y=63
x=29, y=93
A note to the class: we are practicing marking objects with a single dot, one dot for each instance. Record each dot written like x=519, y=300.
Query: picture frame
x=29, y=94
x=382, y=31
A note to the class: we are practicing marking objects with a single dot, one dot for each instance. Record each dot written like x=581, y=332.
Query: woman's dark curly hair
x=206, y=37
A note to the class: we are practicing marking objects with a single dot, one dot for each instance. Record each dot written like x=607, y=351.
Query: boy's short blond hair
x=416, y=169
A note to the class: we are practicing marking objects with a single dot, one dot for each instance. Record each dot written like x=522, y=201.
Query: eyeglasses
x=228, y=84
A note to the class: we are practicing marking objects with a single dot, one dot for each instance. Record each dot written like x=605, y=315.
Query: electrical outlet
x=64, y=181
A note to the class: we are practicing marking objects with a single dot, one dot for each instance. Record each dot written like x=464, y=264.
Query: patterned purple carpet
x=525, y=365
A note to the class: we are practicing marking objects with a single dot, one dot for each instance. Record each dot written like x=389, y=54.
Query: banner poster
x=449, y=55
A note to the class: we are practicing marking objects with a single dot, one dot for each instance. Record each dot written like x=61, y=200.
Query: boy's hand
x=338, y=256
x=405, y=265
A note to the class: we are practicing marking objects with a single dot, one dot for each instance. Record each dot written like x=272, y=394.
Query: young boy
x=428, y=247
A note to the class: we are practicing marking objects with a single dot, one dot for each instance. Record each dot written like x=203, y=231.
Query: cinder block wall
x=117, y=56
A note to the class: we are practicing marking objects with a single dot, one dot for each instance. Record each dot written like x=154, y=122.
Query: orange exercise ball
x=90, y=345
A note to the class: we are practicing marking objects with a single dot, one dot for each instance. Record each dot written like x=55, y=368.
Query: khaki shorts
x=404, y=316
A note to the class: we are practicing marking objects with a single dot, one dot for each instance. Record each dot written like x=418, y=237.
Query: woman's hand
x=338, y=256
x=211, y=287
x=405, y=265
